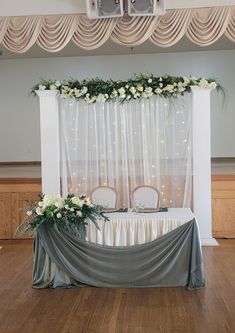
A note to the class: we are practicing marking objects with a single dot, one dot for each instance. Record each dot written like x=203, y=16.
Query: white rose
x=100, y=98
x=29, y=213
x=139, y=87
x=203, y=83
x=121, y=91
x=58, y=215
x=212, y=85
x=132, y=90
x=53, y=87
x=150, y=80
x=72, y=209
x=39, y=211
x=84, y=90
x=66, y=207
x=158, y=90
x=41, y=87
x=79, y=213
x=160, y=85
x=114, y=93
x=65, y=88
x=60, y=203
x=186, y=80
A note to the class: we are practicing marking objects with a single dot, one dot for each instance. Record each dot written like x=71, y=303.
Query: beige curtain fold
x=56, y=32
x=230, y=32
x=133, y=31
x=171, y=27
x=91, y=34
x=202, y=26
x=208, y=26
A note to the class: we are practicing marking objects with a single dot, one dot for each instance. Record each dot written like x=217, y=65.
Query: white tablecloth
x=126, y=229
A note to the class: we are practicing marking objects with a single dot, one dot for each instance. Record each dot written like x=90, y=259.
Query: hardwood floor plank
x=116, y=310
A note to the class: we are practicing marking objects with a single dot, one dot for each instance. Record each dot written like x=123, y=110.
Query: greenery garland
x=141, y=86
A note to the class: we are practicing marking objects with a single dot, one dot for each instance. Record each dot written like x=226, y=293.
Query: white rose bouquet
x=71, y=213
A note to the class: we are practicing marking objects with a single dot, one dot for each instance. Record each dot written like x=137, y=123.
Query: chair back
x=147, y=195
x=105, y=196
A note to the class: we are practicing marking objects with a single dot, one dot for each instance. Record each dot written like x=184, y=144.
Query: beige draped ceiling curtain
x=52, y=33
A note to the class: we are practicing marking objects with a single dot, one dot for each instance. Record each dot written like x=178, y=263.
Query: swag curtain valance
x=52, y=33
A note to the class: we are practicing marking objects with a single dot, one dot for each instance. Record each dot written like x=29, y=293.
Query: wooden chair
x=105, y=196
x=147, y=195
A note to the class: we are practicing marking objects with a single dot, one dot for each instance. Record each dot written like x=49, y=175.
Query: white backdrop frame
x=50, y=154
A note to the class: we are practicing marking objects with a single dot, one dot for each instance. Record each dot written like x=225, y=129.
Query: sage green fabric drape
x=62, y=260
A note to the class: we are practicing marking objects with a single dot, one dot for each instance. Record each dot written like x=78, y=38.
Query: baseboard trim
x=209, y=242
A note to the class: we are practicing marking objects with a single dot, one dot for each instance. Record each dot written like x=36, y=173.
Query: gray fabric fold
x=62, y=260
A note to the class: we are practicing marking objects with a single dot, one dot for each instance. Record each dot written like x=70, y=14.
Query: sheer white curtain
x=125, y=145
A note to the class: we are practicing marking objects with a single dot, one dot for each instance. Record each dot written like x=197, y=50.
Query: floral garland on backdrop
x=141, y=86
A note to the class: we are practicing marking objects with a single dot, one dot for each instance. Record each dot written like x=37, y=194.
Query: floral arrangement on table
x=71, y=213
x=141, y=86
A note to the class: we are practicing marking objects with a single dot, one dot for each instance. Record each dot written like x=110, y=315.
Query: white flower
x=212, y=85
x=77, y=201
x=158, y=90
x=88, y=201
x=186, y=80
x=39, y=211
x=100, y=98
x=40, y=203
x=148, y=90
x=150, y=80
x=53, y=87
x=48, y=201
x=139, y=87
x=127, y=86
x=84, y=90
x=29, y=213
x=169, y=88
x=181, y=89
x=59, y=203
x=57, y=83
x=71, y=91
x=66, y=207
x=160, y=85
x=77, y=92
x=193, y=78
x=132, y=90
x=203, y=83
x=79, y=213
x=71, y=209
x=160, y=79
x=41, y=87
x=58, y=215
x=122, y=91
x=65, y=88
x=114, y=93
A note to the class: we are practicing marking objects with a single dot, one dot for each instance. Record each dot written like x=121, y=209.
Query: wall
x=19, y=121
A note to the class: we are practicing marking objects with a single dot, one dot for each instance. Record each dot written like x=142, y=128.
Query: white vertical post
x=50, y=141
x=202, y=163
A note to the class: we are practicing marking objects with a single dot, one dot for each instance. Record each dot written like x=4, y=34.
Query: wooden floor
x=168, y=310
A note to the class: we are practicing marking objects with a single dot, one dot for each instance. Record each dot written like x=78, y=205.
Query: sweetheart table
x=131, y=250
x=125, y=229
